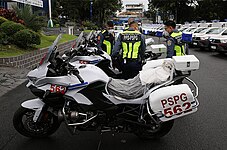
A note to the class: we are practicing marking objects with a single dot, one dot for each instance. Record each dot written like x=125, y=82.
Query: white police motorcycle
x=85, y=51
x=86, y=99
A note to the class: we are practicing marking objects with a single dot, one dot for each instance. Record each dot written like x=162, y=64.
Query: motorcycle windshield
x=52, y=49
x=79, y=40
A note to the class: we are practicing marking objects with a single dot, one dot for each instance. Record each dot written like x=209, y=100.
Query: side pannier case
x=173, y=102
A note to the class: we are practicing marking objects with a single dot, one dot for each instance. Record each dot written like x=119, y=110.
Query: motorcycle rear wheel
x=24, y=124
x=154, y=132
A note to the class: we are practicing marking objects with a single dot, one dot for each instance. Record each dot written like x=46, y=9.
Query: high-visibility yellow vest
x=179, y=48
x=126, y=28
x=131, y=43
x=107, y=42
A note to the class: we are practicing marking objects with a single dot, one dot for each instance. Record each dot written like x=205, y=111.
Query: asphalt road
x=204, y=130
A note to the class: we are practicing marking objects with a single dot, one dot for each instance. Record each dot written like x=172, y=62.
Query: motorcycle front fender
x=36, y=105
x=33, y=104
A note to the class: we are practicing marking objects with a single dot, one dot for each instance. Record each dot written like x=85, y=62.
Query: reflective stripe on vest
x=125, y=32
x=103, y=31
x=131, y=49
x=108, y=46
x=126, y=28
x=178, y=49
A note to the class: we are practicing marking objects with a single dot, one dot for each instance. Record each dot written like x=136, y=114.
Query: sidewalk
x=10, y=78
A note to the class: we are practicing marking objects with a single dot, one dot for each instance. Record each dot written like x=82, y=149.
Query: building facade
x=7, y=4
x=137, y=9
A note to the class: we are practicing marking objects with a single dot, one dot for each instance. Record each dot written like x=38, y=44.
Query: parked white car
x=219, y=44
x=189, y=30
x=204, y=42
x=196, y=36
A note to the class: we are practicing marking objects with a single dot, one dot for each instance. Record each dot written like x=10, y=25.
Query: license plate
x=213, y=47
x=195, y=43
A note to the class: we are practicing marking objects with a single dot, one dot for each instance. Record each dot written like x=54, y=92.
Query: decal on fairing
x=76, y=86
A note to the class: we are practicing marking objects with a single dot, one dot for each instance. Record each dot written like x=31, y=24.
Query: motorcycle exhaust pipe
x=72, y=115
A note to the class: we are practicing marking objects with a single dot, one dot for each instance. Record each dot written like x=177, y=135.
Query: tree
x=191, y=10
x=79, y=10
x=182, y=10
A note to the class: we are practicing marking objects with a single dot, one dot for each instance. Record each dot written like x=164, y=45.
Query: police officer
x=129, y=21
x=133, y=46
x=106, y=38
x=174, y=45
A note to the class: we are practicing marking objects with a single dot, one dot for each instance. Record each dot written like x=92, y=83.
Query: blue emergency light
x=187, y=37
x=159, y=34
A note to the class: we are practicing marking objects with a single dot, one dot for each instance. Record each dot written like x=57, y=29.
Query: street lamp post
x=91, y=3
x=50, y=22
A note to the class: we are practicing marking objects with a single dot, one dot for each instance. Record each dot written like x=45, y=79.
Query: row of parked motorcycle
x=83, y=90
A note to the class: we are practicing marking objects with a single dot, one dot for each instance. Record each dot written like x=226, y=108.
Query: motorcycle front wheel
x=24, y=124
x=153, y=131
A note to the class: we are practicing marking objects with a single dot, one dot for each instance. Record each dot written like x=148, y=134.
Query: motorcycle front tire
x=25, y=127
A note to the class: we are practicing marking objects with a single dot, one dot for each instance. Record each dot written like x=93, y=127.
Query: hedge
x=26, y=38
x=10, y=27
x=2, y=20
x=35, y=37
x=4, y=39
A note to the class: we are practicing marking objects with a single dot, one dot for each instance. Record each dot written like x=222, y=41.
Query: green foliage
x=10, y=15
x=48, y=40
x=4, y=38
x=79, y=11
x=10, y=27
x=57, y=25
x=35, y=38
x=89, y=25
x=55, y=21
x=2, y=20
x=189, y=10
x=26, y=38
x=31, y=21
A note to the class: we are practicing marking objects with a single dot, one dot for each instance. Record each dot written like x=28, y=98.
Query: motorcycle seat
x=138, y=86
x=127, y=89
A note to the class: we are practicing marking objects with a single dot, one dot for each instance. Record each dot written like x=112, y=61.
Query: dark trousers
x=131, y=69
